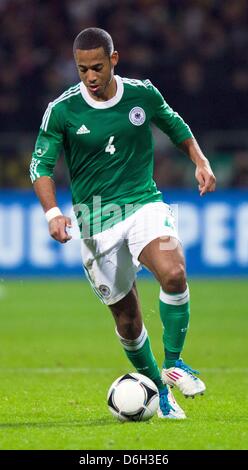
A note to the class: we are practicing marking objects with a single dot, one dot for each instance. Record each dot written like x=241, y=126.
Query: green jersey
x=108, y=147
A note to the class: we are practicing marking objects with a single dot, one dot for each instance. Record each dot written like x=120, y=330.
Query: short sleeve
x=169, y=121
x=47, y=146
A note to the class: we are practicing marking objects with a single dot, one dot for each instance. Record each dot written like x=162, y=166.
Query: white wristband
x=51, y=213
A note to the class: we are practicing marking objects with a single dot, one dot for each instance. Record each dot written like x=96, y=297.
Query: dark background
x=195, y=52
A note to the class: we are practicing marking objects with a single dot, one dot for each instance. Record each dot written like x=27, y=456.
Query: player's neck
x=111, y=89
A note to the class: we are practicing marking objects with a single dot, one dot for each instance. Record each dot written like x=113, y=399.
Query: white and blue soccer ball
x=133, y=397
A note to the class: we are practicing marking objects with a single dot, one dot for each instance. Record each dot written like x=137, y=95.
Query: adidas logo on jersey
x=83, y=130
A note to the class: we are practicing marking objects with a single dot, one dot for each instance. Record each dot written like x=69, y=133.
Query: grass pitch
x=59, y=355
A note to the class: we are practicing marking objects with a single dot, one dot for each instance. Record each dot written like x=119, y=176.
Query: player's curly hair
x=92, y=38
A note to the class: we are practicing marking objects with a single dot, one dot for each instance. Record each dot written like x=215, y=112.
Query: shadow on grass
x=88, y=422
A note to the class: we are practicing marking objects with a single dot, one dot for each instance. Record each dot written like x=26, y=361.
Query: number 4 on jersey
x=110, y=147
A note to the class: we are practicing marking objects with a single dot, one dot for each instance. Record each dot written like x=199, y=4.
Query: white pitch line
x=87, y=370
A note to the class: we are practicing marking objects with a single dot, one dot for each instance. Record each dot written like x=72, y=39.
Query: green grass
x=59, y=355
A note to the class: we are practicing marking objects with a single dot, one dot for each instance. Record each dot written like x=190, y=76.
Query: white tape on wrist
x=54, y=212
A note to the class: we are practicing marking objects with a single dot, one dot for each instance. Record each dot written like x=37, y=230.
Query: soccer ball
x=133, y=397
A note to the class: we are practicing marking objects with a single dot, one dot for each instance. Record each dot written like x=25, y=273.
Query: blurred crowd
x=194, y=51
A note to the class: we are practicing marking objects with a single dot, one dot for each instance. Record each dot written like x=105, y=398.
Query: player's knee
x=175, y=279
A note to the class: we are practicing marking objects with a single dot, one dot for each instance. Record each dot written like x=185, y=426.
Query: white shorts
x=110, y=258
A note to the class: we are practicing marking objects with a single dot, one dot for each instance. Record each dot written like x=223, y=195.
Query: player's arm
x=43, y=161
x=203, y=172
x=44, y=188
x=180, y=134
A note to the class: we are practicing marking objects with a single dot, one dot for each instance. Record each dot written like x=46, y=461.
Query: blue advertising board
x=213, y=230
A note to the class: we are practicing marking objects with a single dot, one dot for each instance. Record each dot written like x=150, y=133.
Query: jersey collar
x=103, y=104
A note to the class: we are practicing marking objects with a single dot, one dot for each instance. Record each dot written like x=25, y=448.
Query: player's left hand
x=205, y=178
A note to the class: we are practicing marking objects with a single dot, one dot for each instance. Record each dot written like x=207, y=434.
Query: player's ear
x=114, y=58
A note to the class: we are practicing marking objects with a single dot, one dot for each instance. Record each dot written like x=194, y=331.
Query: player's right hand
x=57, y=228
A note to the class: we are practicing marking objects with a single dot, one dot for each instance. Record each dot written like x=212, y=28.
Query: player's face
x=96, y=70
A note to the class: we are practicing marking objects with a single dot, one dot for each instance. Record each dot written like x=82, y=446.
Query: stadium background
x=195, y=52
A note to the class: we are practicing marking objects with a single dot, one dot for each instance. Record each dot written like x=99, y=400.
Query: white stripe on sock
x=174, y=299
x=133, y=344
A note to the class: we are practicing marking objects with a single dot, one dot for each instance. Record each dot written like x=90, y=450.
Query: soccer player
x=103, y=124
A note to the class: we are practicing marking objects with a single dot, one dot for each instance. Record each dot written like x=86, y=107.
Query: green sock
x=174, y=313
x=140, y=355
